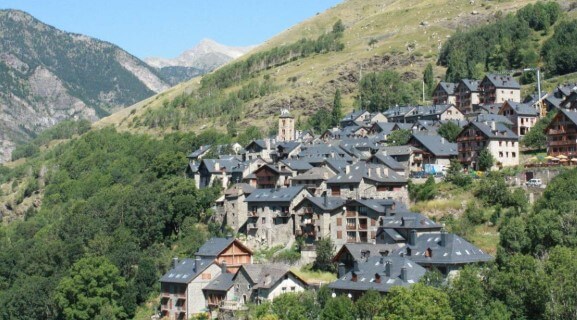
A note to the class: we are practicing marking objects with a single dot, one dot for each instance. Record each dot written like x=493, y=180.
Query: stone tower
x=286, y=126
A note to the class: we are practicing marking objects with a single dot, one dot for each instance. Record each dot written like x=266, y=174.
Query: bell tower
x=286, y=126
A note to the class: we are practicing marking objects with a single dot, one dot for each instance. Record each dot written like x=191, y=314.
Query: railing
x=232, y=305
x=562, y=142
x=251, y=226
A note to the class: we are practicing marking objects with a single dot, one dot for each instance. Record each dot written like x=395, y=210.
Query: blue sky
x=165, y=28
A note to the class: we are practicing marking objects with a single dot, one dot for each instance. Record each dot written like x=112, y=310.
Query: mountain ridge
x=49, y=75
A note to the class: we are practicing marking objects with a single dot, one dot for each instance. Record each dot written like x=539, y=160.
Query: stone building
x=496, y=88
x=523, y=116
x=286, y=126
x=499, y=140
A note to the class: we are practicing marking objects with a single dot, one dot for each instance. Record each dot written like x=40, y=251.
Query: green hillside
x=378, y=35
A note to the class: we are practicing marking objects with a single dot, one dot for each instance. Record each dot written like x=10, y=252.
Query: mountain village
x=348, y=184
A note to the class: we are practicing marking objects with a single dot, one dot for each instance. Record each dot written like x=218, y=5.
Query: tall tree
x=324, y=250
x=428, y=78
x=449, y=130
x=485, y=160
x=337, y=112
x=92, y=287
x=382, y=90
x=419, y=302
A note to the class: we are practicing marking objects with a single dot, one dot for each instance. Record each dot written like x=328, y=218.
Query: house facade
x=444, y=93
x=499, y=140
x=562, y=134
x=523, y=116
x=499, y=88
x=467, y=95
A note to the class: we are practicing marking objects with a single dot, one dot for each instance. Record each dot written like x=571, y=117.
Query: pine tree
x=428, y=78
x=336, y=113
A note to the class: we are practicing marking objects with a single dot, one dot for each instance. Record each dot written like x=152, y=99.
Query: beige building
x=499, y=88
x=499, y=140
x=181, y=287
x=286, y=126
x=523, y=116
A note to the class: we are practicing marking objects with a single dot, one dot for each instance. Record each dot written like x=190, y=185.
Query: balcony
x=232, y=305
x=282, y=214
x=306, y=222
x=562, y=131
x=253, y=213
x=562, y=142
x=351, y=227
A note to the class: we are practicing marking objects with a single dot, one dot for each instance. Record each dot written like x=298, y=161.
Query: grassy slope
x=394, y=23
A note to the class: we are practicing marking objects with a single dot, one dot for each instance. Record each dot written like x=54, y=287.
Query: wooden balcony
x=251, y=226
x=562, y=143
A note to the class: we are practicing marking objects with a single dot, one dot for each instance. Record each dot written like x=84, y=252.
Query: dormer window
x=409, y=251
x=428, y=253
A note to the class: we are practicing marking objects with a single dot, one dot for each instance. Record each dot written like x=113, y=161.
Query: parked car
x=418, y=174
x=534, y=183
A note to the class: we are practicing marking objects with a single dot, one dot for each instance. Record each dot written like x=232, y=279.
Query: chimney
x=326, y=199
x=404, y=274
x=347, y=169
x=197, y=262
x=402, y=221
x=388, y=267
x=223, y=266
x=377, y=278
x=267, y=279
x=341, y=270
x=385, y=171
x=442, y=140
x=217, y=166
x=412, y=237
x=443, y=238
x=174, y=262
x=493, y=125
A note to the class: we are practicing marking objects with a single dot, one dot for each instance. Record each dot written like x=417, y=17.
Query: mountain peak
x=206, y=55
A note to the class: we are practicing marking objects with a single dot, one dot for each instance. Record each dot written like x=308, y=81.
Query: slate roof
x=385, y=127
x=229, y=165
x=186, y=270
x=214, y=246
x=258, y=273
x=326, y=203
x=274, y=195
x=572, y=115
x=470, y=84
x=221, y=283
x=338, y=165
x=408, y=220
x=315, y=173
x=360, y=250
x=522, y=109
x=454, y=251
x=493, y=117
x=353, y=115
x=374, y=267
x=322, y=150
x=398, y=111
x=398, y=150
x=297, y=165
x=448, y=87
x=501, y=131
x=491, y=108
x=199, y=152
x=362, y=170
x=388, y=161
x=437, y=145
x=378, y=205
x=288, y=146
x=502, y=81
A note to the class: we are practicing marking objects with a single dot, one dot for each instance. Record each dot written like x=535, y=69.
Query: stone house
x=382, y=158
x=316, y=217
x=314, y=179
x=499, y=140
x=444, y=93
x=181, y=287
x=355, y=118
x=467, y=95
x=368, y=180
x=523, y=116
x=226, y=171
x=271, y=218
x=562, y=134
x=496, y=88
x=258, y=283
x=351, y=252
x=397, y=114
x=235, y=210
x=286, y=126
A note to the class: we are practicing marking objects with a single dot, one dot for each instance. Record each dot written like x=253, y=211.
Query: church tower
x=286, y=126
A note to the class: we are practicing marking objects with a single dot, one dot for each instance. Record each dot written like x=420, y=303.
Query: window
x=339, y=222
x=513, y=154
x=339, y=234
x=500, y=154
x=263, y=220
x=206, y=276
x=335, y=191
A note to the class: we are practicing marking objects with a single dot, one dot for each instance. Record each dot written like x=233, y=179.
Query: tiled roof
x=448, y=87
x=364, y=250
x=501, y=131
x=326, y=203
x=493, y=117
x=408, y=220
x=470, y=84
x=362, y=170
x=523, y=109
x=388, y=161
